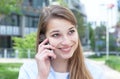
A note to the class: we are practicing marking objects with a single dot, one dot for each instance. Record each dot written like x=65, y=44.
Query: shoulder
x=28, y=70
x=29, y=65
x=95, y=69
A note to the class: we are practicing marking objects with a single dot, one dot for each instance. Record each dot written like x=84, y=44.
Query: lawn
x=113, y=61
x=9, y=70
x=102, y=57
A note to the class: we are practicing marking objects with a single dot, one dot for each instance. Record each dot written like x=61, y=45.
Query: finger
x=48, y=53
x=48, y=47
x=42, y=47
x=51, y=54
x=45, y=55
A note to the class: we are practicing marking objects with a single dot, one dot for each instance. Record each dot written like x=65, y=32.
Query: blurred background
x=98, y=27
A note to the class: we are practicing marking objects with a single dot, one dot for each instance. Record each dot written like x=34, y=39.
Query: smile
x=65, y=49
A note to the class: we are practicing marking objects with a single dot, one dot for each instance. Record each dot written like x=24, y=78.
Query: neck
x=60, y=65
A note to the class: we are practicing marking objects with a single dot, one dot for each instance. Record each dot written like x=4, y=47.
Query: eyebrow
x=58, y=30
x=71, y=28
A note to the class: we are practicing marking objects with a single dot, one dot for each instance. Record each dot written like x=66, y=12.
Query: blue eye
x=71, y=32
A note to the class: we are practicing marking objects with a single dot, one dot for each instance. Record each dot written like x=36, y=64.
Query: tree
x=112, y=42
x=100, y=40
x=25, y=44
x=91, y=36
x=62, y=2
x=8, y=6
x=81, y=26
x=100, y=31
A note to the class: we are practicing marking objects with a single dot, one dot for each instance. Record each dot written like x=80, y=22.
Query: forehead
x=59, y=24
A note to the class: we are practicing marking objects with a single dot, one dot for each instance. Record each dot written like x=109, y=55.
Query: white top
x=29, y=71
x=58, y=75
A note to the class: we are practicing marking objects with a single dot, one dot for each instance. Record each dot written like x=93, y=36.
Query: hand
x=43, y=58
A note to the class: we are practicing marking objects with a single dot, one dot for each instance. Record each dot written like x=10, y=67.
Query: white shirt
x=29, y=71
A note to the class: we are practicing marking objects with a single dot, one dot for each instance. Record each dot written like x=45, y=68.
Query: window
x=31, y=21
x=31, y=2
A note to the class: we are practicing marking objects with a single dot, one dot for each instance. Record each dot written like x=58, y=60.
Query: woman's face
x=63, y=36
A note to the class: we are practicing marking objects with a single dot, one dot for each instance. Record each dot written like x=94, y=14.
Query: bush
x=96, y=57
x=23, y=44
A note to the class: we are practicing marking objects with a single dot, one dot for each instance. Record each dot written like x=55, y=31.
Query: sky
x=97, y=11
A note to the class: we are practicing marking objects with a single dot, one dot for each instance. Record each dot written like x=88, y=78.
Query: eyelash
x=71, y=32
x=57, y=35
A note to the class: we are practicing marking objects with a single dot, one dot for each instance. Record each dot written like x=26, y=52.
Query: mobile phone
x=42, y=37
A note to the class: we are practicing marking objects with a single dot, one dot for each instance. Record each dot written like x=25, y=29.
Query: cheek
x=75, y=38
x=53, y=42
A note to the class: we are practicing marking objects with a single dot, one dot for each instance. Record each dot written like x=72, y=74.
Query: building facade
x=20, y=24
x=117, y=27
x=25, y=23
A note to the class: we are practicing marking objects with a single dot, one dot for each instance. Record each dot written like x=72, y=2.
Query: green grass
x=9, y=70
x=101, y=58
x=113, y=61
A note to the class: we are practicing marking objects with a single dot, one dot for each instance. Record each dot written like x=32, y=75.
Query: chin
x=66, y=56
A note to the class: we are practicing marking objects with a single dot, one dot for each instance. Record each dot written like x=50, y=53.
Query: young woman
x=59, y=52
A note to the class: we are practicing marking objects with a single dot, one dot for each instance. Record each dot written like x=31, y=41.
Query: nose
x=65, y=40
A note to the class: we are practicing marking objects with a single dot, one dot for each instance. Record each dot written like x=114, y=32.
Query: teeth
x=65, y=49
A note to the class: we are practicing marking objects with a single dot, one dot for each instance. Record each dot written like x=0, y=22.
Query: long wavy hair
x=77, y=68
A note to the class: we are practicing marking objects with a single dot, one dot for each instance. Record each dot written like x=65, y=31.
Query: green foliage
x=118, y=49
x=112, y=43
x=91, y=36
x=8, y=6
x=114, y=63
x=62, y=2
x=9, y=70
x=23, y=45
x=97, y=58
x=81, y=26
x=100, y=32
x=100, y=38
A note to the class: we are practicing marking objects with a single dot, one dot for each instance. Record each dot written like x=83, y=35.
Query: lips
x=65, y=49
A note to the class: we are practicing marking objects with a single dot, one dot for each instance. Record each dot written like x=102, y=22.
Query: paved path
x=109, y=73
x=14, y=60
